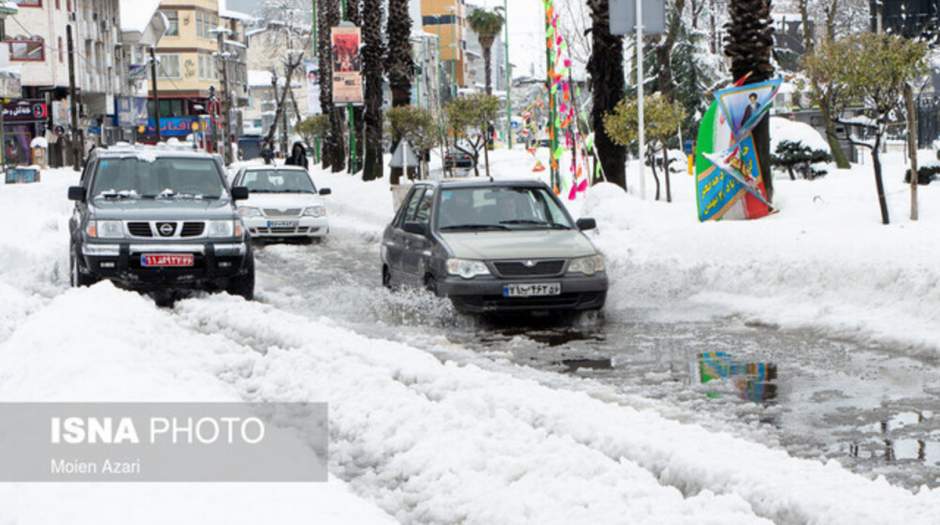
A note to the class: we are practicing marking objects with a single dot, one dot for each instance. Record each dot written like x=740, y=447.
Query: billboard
x=347, y=65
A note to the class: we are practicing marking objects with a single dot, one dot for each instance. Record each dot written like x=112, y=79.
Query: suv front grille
x=193, y=229
x=533, y=269
x=139, y=229
x=272, y=212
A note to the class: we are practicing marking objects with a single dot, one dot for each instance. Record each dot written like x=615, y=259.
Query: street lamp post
x=508, y=75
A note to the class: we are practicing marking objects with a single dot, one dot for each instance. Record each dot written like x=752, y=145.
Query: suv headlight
x=224, y=228
x=315, y=211
x=466, y=268
x=248, y=211
x=105, y=229
x=587, y=265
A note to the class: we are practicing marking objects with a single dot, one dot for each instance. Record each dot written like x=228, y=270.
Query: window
x=409, y=215
x=169, y=66
x=58, y=5
x=27, y=50
x=423, y=213
x=501, y=207
x=68, y=5
x=173, y=26
x=200, y=28
x=60, y=50
x=29, y=3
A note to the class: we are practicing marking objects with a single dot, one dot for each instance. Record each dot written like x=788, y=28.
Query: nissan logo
x=166, y=229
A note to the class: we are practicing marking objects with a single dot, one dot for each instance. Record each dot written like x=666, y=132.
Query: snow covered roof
x=260, y=78
x=137, y=14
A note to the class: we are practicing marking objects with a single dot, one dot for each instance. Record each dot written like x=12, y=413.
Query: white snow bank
x=39, y=142
x=34, y=248
x=782, y=129
x=469, y=445
x=135, y=352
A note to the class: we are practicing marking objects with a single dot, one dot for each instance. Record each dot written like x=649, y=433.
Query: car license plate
x=167, y=260
x=283, y=224
x=532, y=290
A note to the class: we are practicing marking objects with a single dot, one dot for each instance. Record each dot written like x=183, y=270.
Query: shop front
x=23, y=120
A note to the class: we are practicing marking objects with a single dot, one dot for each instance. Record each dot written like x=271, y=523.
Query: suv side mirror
x=326, y=191
x=76, y=193
x=416, y=228
x=586, y=224
x=239, y=193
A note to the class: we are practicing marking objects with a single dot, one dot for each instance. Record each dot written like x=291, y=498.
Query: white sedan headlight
x=587, y=265
x=220, y=229
x=105, y=229
x=315, y=211
x=248, y=211
x=466, y=268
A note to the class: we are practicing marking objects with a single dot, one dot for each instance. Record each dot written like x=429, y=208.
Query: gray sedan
x=493, y=246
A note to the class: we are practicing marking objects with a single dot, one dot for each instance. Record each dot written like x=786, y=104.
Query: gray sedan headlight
x=315, y=211
x=466, y=268
x=587, y=265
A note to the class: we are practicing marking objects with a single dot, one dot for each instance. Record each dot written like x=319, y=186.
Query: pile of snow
x=782, y=129
x=137, y=14
x=139, y=353
x=39, y=142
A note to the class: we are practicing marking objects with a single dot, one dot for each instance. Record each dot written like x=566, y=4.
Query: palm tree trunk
x=488, y=67
x=399, y=64
x=372, y=55
x=607, y=86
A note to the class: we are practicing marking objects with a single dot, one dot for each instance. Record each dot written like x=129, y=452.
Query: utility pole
x=226, y=105
x=77, y=149
x=156, y=93
x=508, y=75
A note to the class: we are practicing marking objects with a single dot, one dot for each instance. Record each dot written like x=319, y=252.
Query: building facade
x=202, y=37
x=446, y=19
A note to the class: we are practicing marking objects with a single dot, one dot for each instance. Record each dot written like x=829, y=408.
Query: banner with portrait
x=347, y=65
x=745, y=106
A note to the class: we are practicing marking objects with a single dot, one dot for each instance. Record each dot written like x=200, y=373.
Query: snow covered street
x=442, y=418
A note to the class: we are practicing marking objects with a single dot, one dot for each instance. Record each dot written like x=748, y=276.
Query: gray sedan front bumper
x=485, y=294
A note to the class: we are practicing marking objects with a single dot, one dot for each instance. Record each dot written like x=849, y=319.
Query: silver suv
x=493, y=246
x=159, y=220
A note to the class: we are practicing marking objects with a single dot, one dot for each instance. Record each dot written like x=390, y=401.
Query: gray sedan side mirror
x=586, y=224
x=77, y=193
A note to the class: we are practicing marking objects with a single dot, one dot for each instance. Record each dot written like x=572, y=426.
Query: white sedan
x=283, y=203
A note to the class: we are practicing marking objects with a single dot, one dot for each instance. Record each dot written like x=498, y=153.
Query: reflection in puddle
x=754, y=381
x=890, y=447
x=573, y=365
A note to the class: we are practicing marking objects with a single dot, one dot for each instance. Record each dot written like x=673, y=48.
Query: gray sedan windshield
x=500, y=207
x=132, y=177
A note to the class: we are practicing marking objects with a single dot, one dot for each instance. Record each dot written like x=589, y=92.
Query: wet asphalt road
x=873, y=407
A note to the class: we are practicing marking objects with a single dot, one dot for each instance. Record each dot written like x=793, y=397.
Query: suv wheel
x=244, y=285
x=76, y=277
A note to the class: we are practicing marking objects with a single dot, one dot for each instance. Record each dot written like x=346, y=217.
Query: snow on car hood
x=281, y=201
x=518, y=244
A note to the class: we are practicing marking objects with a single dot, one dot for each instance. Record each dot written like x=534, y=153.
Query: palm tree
x=372, y=53
x=749, y=42
x=334, y=151
x=354, y=15
x=399, y=64
x=487, y=25
x=605, y=68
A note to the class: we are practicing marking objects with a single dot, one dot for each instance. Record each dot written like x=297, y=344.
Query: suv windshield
x=500, y=207
x=277, y=181
x=132, y=177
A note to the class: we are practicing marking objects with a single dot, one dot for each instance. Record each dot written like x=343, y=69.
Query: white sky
x=526, y=33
